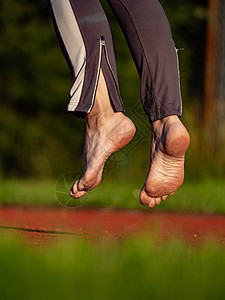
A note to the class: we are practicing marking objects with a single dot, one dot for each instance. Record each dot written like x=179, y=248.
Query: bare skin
x=170, y=141
x=106, y=132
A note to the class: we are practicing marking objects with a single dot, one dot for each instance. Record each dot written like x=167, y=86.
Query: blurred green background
x=134, y=268
x=41, y=141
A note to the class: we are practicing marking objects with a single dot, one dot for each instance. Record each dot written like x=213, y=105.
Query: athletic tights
x=85, y=39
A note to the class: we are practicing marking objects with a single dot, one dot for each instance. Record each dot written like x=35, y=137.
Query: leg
x=85, y=38
x=148, y=34
x=106, y=132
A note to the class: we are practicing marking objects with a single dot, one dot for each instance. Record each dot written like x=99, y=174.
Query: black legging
x=85, y=38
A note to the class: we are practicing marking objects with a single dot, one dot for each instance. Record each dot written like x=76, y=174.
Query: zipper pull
x=102, y=40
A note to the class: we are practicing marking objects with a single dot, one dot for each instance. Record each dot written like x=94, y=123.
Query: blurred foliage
x=137, y=267
x=38, y=137
x=194, y=196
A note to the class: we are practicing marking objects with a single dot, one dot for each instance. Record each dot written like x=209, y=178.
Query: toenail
x=151, y=204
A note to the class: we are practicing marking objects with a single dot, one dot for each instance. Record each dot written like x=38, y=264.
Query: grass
x=206, y=195
x=134, y=268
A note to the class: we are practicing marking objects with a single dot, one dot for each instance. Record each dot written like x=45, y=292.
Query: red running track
x=38, y=224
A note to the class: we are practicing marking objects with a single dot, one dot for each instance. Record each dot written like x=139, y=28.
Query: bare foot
x=106, y=132
x=170, y=141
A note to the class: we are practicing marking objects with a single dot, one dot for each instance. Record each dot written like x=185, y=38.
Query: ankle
x=158, y=126
x=97, y=120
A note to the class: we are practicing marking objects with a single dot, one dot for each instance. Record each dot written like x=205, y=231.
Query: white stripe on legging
x=72, y=39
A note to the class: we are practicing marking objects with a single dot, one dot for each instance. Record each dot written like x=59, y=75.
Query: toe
x=78, y=194
x=75, y=192
x=151, y=204
x=164, y=197
x=157, y=201
x=144, y=199
x=74, y=188
x=81, y=185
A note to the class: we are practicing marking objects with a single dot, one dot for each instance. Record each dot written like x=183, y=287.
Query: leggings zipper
x=110, y=67
x=103, y=44
x=97, y=77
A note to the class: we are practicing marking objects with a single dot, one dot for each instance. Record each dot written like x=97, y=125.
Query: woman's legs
x=148, y=34
x=86, y=41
